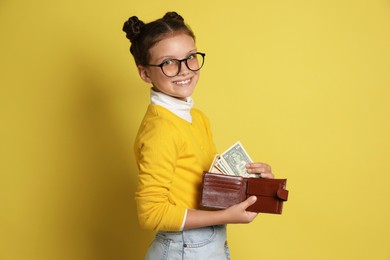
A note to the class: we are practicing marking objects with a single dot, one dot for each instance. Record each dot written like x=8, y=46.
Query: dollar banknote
x=232, y=161
x=213, y=167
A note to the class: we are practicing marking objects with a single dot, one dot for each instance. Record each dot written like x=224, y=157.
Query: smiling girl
x=174, y=146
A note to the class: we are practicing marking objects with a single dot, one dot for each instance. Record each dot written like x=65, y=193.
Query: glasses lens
x=195, y=61
x=171, y=68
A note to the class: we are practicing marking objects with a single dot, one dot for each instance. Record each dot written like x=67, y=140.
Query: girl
x=174, y=146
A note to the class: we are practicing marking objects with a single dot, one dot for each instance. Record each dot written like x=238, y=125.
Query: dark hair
x=144, y=36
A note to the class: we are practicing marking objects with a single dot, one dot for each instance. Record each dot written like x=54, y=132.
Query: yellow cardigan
x=171, y=155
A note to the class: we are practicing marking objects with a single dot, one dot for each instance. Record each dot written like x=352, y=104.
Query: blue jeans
x=193, y=244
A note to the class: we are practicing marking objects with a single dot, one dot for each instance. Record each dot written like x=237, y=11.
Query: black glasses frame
x=179, y=61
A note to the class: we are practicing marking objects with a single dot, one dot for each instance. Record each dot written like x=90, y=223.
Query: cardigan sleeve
x=156, y=149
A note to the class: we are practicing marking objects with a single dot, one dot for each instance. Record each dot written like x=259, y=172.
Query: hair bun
x=173, y=16
x=133, y=27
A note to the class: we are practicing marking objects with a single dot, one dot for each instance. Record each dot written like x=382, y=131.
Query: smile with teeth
x=183, y=82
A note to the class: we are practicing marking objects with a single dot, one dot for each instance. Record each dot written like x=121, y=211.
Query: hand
x=235, y=214
x=238, y=214
x=263, y=169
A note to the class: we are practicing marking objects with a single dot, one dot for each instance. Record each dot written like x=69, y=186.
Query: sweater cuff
x=184, y=220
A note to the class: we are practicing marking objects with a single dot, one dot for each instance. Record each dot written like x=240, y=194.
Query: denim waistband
x=196, y=236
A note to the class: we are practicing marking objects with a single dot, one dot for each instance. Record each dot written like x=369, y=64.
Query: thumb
x=249, y=201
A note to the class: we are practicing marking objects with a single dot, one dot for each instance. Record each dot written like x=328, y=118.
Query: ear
x=144, y=74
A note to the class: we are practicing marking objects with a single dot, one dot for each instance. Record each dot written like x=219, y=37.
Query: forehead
x=175, y=46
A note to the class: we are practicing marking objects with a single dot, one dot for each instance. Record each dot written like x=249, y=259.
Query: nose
x=183, y=68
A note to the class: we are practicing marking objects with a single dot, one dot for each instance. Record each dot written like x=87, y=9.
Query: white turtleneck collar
x=178, y=107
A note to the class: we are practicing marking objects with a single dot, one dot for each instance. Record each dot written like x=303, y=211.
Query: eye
x=192, y=56
x=168, y=62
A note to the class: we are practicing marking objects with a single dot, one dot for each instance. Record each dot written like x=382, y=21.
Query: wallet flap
x=265, y=187
x=282, y=194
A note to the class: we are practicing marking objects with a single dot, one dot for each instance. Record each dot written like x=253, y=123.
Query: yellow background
x=304, y=85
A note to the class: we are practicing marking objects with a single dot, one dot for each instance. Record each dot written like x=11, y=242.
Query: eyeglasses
x=172, y=67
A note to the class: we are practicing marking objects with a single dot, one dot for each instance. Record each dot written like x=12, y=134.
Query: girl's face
x=178, y=46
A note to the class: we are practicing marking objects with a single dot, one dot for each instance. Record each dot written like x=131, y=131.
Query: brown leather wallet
x=220, y=191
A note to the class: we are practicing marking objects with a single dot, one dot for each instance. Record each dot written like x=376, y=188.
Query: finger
x=259, y=170
x=263, y=167
x=257, y=164
x=267, y=175
x=249, y=201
